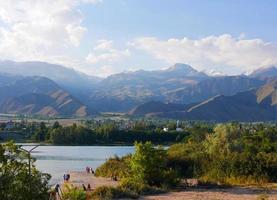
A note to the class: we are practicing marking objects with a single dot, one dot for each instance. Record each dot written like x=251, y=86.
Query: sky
x=102, y=37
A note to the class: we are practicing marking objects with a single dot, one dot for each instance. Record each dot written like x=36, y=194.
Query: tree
x=15, y=181
x=56, y=125
x=148, y=165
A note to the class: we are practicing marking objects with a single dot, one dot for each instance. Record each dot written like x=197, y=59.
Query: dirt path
x=236, y=193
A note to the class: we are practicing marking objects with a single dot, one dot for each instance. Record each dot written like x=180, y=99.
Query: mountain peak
x=181, y=67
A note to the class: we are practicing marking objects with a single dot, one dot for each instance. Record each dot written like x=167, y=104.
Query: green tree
x=15, y=181
x=148, y=165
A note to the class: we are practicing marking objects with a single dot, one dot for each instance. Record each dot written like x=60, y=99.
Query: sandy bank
x=79, y=178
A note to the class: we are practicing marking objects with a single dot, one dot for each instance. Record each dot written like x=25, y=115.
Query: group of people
x=89, y=170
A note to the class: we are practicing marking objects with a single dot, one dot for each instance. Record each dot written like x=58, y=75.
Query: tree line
x=103, y=134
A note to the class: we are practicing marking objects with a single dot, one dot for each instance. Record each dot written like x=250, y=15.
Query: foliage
x=109, y=134
x=148, y=165
x=15, y=182
x=232, y=154
x=116, y=166
x=137, y=188
x=73, y=193
x=108, y=192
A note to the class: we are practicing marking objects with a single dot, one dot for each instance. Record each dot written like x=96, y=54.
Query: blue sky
x=179, y=18
x=101, y=37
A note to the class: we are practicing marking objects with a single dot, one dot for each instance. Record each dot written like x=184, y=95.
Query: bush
x=108, y=192
x=73, y=193
x=149, y=165
x=138, y=188
x=116, y=166
x=232, y=154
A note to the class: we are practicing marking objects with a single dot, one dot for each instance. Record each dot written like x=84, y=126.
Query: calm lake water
x=58, y=160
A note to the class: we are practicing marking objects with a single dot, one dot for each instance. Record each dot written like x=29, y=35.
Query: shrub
x=108, y=192
x=73, y=193
x=116, y=166
x=138, y=188
x=148, y=165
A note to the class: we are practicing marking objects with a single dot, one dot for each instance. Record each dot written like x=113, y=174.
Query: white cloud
x=40, y=29
x=219, y=52
x=106, y=53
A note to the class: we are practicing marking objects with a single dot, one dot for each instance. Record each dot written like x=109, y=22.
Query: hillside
x=156, y=106
x=179, y=84
x=65, y=77
x=225, y=85
x=265, y=72
x=39, y=96
x=253, y=105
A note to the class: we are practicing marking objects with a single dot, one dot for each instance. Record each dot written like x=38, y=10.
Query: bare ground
x=232, y=193
x=79, y=178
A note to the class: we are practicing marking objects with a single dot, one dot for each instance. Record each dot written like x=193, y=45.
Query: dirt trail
x=236, y=193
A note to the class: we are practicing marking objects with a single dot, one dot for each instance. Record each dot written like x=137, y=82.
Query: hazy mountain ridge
x=177, y=85
x=253, y=105
x=39, y=96
x=265, y=72
x=66, y=77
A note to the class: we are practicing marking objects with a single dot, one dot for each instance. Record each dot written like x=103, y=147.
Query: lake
x=58, y=160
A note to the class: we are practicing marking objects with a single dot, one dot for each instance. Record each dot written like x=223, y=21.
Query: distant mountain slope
x=179, y=84
x=267, y=72
x=254, y=105
x=132, y=88
x=156, y=106
x=39, y=95
x=64, y=76
x=225, y=85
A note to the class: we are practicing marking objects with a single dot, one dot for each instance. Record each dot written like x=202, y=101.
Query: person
x=114, y=178
x=64, y=178
x=88, y=188
x=57, y=190
x=84, y=187
x=67, y=177
x=91, y=170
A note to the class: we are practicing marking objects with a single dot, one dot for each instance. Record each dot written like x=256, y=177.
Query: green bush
x=73, y=193
x=139, y=188
x=116, y=166
x=149, y=166
x=231, y=154
x=108, y=192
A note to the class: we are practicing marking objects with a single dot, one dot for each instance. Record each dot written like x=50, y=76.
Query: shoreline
x=77, y=178
x=268, y=192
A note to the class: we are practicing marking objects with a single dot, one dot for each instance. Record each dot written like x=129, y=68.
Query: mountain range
x=179, y=91
x=253, y=105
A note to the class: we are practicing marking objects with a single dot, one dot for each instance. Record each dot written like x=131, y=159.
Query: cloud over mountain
x=212, y=52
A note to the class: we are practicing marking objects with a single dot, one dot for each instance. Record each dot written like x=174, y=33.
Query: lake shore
x=79, y=178
x=230, y=193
